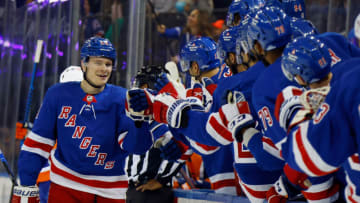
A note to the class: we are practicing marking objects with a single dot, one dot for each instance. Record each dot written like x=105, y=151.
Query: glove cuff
x=248, y=134
x=175, y=111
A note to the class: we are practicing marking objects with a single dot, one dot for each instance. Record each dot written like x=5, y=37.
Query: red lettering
x=101, y=159
x=334, y=59
x=92, y=152
x=71, y=121
x=265, y=116
x=64, y=112
x=109, y=165
x=85, y=142
x=79, y=131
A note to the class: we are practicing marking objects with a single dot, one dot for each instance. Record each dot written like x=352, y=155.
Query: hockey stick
x=7, y=168
x=187, y=178
x=152, y=8
x=9, y=172
x=31, y=89
x=157, y=21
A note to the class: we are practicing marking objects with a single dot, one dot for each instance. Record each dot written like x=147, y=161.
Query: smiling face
x=98, y=70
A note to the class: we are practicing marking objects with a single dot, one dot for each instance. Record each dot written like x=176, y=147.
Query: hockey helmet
x=242, y=7
x=307, y=57
x=202, y=51
x=302, y=27
x=97, y=46
x=71, y=73
x=270, y=27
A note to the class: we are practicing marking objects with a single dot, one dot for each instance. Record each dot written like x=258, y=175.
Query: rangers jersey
x=93, y=136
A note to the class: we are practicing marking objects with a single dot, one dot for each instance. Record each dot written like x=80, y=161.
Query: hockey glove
x=290, y=184
x=196, y=91
x=29, y=194
x=289, y=110
x=312, y=99
x=209, y=85
x=273, y=197
x=139, y=105
x=236, y=115
x=169, y=110
x=166, y=85
x=171, y=149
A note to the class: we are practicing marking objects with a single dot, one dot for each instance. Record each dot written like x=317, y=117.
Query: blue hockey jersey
x=93, y=136
x=320, y=146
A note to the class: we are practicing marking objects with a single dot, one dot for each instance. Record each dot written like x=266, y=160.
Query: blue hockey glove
x=139, y=104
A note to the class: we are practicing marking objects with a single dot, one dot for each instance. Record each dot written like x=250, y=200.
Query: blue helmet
x=294, y=8
x=307, y=57
x=242, y=7
x=97, y=46
x=227, y=42
x=202, y=51
x=302, y=27
x=270, y=27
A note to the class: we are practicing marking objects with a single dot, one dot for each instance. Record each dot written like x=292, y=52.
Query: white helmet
x=357, y=27
x=71, y=74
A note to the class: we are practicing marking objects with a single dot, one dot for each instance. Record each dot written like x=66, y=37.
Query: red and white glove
x=273, y=197
x=139, y=104
x=169, y=110
x=26, y=194
x=164, y=84
x=196, y=91
x=289, y=110
x=236, y=114
x=209, y=85
x=288, y=186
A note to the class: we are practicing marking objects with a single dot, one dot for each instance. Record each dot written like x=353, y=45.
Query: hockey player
x=92, y=131
x=269, y=32
x=308, y=61
x=199, y=58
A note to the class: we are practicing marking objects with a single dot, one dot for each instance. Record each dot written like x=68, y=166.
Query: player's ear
x=232, y=58
x=83, y=66
x=258, y=48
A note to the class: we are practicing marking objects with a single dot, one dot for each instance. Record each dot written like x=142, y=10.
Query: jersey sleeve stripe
x=218, y=131
x=354, y=162
x=41, y=139
x=313, y=164
x=257, y=192
x=36, y=151
x=270, y=147
x=121, y=138
x=185, y=156
x=202, y=149
x=324, y=191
